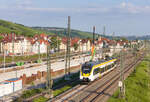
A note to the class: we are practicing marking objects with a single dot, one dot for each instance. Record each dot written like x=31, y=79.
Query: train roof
x=92, y=63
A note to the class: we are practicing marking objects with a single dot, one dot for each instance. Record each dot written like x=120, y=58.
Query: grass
x=30, y=93
x=8, y=27
x=61, y=90
x=66, y=87
x=40, y=99
x=136, y=85
x=27, y=58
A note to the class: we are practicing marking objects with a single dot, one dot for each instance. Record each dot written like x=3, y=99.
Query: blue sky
x=124, y=17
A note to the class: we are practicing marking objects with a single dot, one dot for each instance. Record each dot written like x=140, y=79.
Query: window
x=113, y=65
x=109, y=66
x=96, y=71
x=86, y=69
x=101, y=70
x=105, y=68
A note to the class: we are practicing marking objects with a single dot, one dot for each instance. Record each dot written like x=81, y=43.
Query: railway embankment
x=137, y=85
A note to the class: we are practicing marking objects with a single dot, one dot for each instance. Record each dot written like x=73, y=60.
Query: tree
x=75, y=45
x=55, y=43
x=124, y=39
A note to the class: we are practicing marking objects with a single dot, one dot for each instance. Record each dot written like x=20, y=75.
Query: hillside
x=62, y=32
x=8, y=27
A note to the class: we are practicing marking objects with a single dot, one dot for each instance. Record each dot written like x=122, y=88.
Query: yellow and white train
x=93, y=69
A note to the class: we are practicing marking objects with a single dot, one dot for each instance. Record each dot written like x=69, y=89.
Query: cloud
x=16, y=4
x=133, y=9
x=45, y=9
x=75, y=10
x=122, y=8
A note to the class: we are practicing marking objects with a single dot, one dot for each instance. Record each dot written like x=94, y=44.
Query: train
x=92, y=70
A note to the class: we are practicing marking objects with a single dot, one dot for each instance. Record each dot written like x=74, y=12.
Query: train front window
x=86, y=69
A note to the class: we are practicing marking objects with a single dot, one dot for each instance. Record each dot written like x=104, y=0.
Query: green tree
x=75, y=45
x=123, y=39
x=55, y=43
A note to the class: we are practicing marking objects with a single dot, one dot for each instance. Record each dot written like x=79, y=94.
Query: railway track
x=68, y=95
x=100, y=91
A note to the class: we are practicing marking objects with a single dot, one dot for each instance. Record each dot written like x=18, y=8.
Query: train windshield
x=86, y=69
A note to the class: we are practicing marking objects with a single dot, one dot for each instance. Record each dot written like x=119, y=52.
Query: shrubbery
x=32, y=92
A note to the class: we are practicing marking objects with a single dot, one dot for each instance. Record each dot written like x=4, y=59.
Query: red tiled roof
x=99, y=42
x=64, y=40
x=11, y=54
x=105, y=39
x=74, y=40
x=84, y=41
x=111, y=42
x=120, y=42
x=43, y=35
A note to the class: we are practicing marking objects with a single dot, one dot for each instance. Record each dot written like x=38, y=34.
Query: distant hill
x=62, y=32
x=145, y=37
x=8, y=27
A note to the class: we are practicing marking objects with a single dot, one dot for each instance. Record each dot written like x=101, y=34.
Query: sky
x=124, y=17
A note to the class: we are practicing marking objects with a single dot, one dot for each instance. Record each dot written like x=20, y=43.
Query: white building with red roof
x=39, y=43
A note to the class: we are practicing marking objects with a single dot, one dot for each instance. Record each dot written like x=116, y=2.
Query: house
x=12, y=44
x=84, y=45
x=63, y=44
x=39, y=44
x=19, y=45
x=119, y=46
x=112, y=47
x=74, y=42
